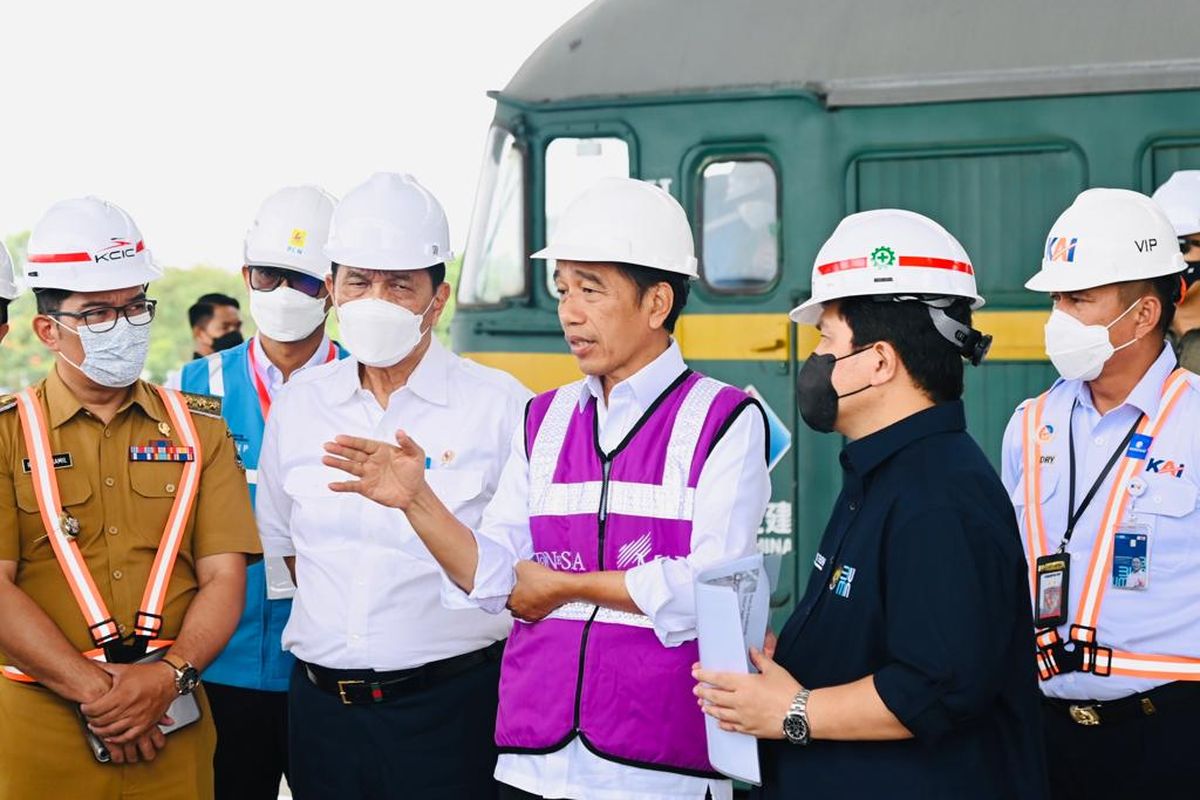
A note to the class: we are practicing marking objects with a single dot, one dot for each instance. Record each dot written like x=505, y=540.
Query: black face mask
x=231, y=339
x=815, y=395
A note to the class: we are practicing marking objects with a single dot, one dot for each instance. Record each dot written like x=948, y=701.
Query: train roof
x=866, y=52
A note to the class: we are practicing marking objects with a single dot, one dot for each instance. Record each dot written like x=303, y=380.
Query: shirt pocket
x=1049, y=487
x=1168, y=507
x=320, y=517
x=455, y=487
x=75, y=492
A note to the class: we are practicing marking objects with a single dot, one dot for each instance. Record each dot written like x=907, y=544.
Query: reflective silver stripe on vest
x=216, y=375
x=543, y=456
x=582, y=612
x=633, y=499
x=685, y=436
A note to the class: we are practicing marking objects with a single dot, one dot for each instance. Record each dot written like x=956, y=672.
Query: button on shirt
x=1163, y=618
x=368, y=590
x=919, y=581
x=731, y=495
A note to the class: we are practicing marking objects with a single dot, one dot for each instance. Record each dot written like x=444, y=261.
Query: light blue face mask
x=115, y=358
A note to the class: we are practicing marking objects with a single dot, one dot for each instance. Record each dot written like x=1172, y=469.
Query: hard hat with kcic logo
x=390, y=222
x=622, y=220
x=1107, y=236
x=888, y=252
x=8, y=283
x=87, y=245
x=1179, y=199
x=290, y=231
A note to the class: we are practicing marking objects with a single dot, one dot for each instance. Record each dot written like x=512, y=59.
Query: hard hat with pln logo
x=1179, y=198
x=888, y=252
x=390, y=222
x=623, y=220
x=8, y=283
x=87, y=245
x=1107, y=236
x=290, y=231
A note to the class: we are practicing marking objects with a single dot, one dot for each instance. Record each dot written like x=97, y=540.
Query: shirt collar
x=429, y=381
x=1147, y=394
x=646, y=384
x=260, y=361
x=63, y=405
x=864, y=455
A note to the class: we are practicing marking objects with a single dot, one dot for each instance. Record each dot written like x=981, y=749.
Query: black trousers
x=513, y=793
x=434, y=744
x=251, y=742
x=1151, y=757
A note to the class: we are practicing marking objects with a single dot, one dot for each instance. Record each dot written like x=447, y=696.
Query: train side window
x=739, y=216
x=494, y=264
x=573, y=165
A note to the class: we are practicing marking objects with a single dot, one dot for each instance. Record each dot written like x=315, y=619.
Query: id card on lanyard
x=1053, y=571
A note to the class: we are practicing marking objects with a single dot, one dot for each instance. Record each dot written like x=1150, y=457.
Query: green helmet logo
x=882, y=257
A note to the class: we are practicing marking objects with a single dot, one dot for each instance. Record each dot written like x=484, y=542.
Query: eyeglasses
x=104, y=319
x=1187, y=243
x=268, y=279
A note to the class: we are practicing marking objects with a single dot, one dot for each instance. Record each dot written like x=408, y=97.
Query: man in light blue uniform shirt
x=285, y=271
x=1102, y=469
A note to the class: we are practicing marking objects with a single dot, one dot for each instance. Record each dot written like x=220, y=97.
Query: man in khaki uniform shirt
x=95, y=410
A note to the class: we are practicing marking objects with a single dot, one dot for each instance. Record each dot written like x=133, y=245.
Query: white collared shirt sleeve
x=272, y=505
x=503, y=537
x=731, y=497
x=1010, y=452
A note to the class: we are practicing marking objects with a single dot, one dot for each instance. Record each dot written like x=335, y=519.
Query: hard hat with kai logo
x=290, y=231
x=87, y=245
x=390, y=222
x=623, y=220
x=888, y=252
x=1179, y=199
x=1107, y=236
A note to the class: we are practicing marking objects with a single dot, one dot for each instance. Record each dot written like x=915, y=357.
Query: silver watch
x=795, y=722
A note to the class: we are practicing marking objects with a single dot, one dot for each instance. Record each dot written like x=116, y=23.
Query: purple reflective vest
x=594, y=672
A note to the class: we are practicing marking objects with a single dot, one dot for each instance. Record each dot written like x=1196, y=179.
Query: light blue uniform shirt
x=254, y=657
x=1164, y=618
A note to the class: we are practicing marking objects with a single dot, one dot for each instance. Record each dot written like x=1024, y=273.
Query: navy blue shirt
x=920, y=581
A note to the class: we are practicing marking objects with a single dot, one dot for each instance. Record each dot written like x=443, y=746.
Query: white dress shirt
x=731, y=496
x=272, y=376
x=367, y=588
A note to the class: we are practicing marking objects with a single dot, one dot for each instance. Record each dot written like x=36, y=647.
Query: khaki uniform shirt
x=122, y=505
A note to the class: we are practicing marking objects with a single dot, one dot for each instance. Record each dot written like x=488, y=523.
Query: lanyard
x=1075, y=513
x=264, y=397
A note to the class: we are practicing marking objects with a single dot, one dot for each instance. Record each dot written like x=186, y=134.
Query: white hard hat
x=627, y=221
x=87, y=245
x=290, y=231
x=1107, y=236
x=390, y=222
x=1179, y=198
x=888, y=252
x=8, y=282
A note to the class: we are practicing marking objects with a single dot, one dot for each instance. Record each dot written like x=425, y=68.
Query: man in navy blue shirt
x=907, y=669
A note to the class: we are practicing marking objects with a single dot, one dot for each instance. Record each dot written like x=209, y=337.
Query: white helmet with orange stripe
x=87, y=245
x=894, y=254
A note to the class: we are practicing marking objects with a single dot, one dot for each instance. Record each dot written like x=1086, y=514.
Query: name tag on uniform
x=1053, y=581
x=1131, y=557
x=60, y=461
x=162, y=450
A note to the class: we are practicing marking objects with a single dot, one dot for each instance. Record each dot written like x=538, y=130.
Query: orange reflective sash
x=1099, y=660
x=101, y=624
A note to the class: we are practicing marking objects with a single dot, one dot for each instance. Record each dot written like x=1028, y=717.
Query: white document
x=733, y=607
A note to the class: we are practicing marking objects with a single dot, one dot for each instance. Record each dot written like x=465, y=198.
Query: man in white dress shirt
x=617, y=490
x=394, y=694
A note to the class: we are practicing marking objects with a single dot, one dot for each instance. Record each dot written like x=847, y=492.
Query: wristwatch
x=187, y=677
x=795, y=722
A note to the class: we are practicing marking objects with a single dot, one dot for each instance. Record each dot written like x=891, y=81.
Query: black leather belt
x=366, y=686
x=1089, y=713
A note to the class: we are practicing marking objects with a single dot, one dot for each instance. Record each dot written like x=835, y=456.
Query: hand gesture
x=137, y=701
x=536, y=593
x=753, y=704
x=391, y=475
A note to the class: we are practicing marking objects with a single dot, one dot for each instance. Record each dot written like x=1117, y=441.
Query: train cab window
x=573, y=165
x=739, y=217
x=494, y=264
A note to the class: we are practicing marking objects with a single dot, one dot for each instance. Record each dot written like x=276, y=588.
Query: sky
x=189, y=115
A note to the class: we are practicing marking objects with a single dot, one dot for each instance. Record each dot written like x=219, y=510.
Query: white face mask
x=116, y=358
x=1079, y=351
x=286, y=315
x=378, y=333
